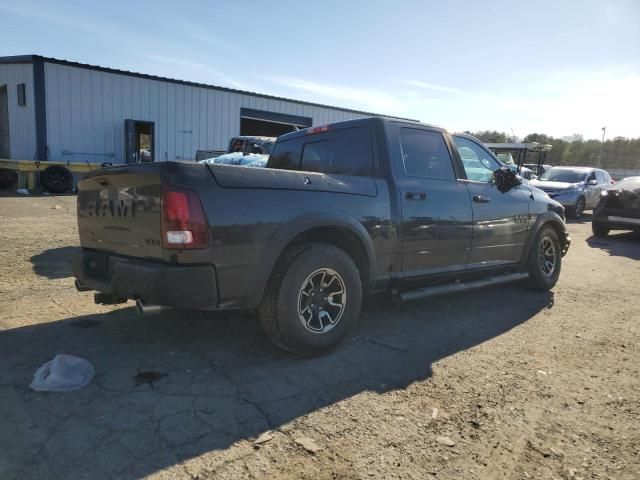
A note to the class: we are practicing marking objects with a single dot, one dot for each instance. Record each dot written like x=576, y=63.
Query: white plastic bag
x=62, y=374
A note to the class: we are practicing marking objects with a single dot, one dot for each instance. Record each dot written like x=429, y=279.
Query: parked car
x=576, y=188
x=340, y=211
x=538, y=170
x=618, y=209
x=250, y=144
x=528, y=171
x=525, y=173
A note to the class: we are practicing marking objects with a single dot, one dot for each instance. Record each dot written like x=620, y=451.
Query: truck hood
x=554, y=186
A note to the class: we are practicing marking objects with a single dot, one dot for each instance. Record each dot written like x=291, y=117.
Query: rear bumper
x=190, y=286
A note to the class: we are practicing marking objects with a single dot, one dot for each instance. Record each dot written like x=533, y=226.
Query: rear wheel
x=599, y=229
x=57, y=179
x=577, y=211
x=7, y=178
x=313, y=299
x=545, y=260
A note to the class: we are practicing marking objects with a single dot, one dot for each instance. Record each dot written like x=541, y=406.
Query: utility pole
x=604, y=130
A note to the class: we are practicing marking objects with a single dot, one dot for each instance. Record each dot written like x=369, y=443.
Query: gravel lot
x=498, y=383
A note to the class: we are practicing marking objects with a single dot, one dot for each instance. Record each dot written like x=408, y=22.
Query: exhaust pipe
x=80, y=287
x=148, y=309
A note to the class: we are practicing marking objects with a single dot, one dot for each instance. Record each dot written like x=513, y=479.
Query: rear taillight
x=183, y=221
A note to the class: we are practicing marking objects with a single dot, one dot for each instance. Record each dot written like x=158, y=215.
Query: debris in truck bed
x=237, y=158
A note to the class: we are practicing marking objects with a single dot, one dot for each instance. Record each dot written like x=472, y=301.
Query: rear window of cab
x=347, y=151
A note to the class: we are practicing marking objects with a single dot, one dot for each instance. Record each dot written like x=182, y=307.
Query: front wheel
x=545, y=260
x=577, y=211
x=599, y=230
x=313, y=299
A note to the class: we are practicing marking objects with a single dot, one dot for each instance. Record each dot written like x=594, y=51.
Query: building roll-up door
x=5, y=151
x=270, y=124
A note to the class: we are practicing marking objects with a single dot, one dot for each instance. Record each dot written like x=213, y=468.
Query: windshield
x=563, y=175
x=505, y=158
x=631, y=183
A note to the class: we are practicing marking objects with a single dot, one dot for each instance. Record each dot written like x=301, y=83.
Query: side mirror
x=505, y=179
x=592, y=182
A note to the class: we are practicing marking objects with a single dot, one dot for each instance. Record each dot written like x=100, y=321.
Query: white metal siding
x=86, y=110
x=22, y=124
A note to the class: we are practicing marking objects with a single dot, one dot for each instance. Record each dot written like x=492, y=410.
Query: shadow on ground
x=224, y=380
x=584, y=219
x=54, y=263
x=11, y=192
x=618, y=244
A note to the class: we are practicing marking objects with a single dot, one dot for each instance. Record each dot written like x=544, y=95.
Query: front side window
x=478, y=164
x=425, y=154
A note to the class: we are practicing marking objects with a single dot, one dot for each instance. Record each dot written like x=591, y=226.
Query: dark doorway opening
x=5, y=150
x=262, y=128
x=139, y=141
x=260, y=123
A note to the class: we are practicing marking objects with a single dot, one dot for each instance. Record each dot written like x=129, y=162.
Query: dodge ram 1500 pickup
x=341, y=211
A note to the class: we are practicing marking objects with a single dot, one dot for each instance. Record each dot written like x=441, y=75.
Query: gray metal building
x=54, y=109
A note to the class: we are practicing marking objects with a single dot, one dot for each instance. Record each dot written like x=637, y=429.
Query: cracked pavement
x=369, y=406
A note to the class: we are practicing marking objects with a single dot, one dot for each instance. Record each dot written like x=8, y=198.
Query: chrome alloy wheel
x=322, y=300
x=580, y=208
x=548, y=257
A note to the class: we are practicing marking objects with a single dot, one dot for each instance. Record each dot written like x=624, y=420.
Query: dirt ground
x=519, y=384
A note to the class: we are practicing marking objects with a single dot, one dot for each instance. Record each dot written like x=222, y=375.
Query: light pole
x=604, y=130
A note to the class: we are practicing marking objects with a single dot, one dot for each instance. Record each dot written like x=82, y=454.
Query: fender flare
x=546, y=218
x=295, y=227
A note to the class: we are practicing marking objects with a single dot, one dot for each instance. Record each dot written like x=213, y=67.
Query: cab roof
x=359, y=122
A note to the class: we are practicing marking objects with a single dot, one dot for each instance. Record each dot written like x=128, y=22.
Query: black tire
x=599, y=229
x=539, y=276
x=7, y=178
x=577, y=210
x=56, y=179
x=285, y=298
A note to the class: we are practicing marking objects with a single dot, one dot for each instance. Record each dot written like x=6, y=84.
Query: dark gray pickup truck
x=341, y=211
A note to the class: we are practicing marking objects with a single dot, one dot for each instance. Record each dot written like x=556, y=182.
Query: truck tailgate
x=119, y=211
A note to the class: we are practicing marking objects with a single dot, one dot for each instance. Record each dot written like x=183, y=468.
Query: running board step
x=461, y=287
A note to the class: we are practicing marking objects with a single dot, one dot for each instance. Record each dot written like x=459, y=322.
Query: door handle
x=416, y=196
x=481, y=199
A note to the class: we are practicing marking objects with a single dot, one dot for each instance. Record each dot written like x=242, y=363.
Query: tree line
x=617, y=153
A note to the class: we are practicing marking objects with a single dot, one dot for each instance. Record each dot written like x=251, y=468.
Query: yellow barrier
x=27, y=169
x=34, y=165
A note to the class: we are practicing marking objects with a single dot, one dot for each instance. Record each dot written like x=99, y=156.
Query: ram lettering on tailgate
x=121, y=208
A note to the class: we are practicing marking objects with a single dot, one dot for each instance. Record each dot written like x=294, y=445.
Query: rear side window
x=347, y=151
x=286, y=155
x=425, y=154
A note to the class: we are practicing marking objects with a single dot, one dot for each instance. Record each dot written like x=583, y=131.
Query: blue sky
x=558, y=67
